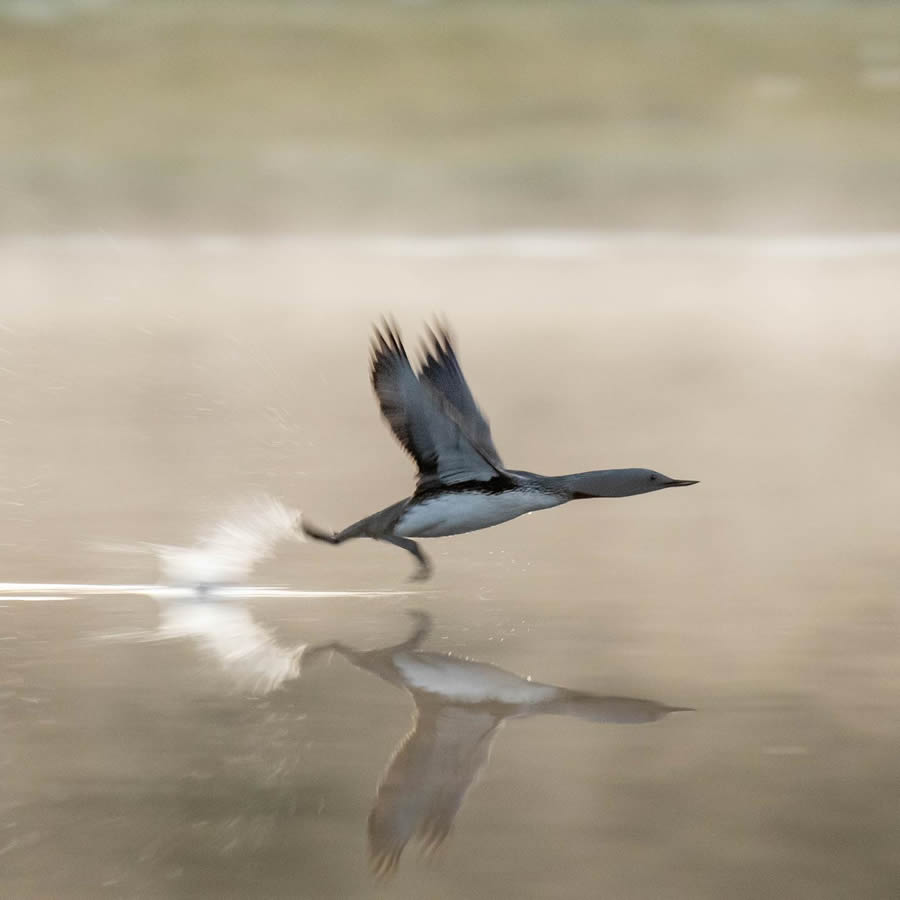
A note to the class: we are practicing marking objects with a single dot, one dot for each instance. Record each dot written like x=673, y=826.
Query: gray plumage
x=462, y=484
x=433, y=415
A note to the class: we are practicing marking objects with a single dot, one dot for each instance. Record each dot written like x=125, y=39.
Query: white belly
x=465, y=681
x=469, y=511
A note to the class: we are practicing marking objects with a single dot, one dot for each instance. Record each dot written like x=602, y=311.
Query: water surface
x=150, y=384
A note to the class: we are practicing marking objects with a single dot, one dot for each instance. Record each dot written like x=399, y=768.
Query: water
x=150, y=385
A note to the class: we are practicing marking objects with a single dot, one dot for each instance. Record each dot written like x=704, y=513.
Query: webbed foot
x=316, y=533
x=423, y=573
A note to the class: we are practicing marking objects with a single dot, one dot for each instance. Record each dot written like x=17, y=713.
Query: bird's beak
x=676, y=483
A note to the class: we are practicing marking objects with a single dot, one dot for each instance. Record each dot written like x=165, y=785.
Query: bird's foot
x=317, y=534
x=423, y=573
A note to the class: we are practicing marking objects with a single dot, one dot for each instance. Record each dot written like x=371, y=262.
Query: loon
x=462, y=483
x=460, y=706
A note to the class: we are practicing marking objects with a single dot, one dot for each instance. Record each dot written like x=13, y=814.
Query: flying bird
x=460, y=705
x=462, y=484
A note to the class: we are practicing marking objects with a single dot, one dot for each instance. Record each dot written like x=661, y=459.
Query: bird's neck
x=599, y=483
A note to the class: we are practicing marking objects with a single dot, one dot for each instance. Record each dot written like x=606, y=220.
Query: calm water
x=148, y=386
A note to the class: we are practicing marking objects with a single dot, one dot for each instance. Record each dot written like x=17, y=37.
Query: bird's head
x=621, y=483
x=616, y=710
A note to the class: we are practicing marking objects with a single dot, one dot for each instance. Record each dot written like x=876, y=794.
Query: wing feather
x=426, y=781
x=441, y=370
x=445, y=441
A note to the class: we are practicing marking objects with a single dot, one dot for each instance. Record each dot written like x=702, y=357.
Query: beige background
x=207, y=209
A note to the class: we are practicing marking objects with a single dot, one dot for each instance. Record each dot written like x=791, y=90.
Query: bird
x=460, y=705
x=462, y=484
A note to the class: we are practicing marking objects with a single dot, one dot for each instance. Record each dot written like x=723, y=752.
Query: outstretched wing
x=426, y=422
x=426, y=781
x=443, y=373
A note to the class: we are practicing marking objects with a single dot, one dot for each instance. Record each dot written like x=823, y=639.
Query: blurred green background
x=368, y=116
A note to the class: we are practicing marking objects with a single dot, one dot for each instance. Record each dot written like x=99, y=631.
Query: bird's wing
x=430, y=428
x=441, y=370
x=426, y=781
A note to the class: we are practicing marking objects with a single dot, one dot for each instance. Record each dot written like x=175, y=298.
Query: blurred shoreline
x=524, y=243
x=397, y=117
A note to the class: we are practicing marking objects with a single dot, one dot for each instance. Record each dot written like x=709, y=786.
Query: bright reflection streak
x=162, y=592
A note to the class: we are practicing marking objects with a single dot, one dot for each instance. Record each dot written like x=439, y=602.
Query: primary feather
x=433, y=415
x=441, y=370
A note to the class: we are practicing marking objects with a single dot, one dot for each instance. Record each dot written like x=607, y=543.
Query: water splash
x=233, y=547
x=201, y=593
x=198, y=600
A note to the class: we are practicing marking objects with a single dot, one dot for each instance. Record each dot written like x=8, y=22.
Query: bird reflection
x=460, y=704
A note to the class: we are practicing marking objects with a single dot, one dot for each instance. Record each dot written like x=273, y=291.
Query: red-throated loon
x=460, y=704
x=462, y=484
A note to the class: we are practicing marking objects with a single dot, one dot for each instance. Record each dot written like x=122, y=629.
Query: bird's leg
x=421, y=574
x=309, y=653
x=421, y=629
x=424, y=570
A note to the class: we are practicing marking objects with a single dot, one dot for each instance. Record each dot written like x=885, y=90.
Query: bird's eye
x=653, y=478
